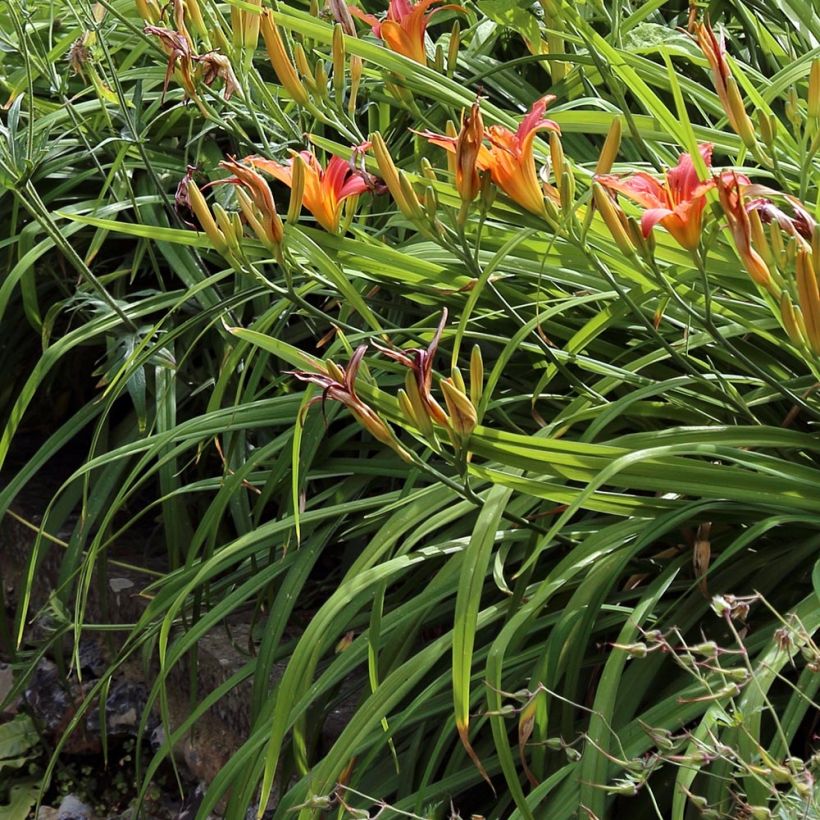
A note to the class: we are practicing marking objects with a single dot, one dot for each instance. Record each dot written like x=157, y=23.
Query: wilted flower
x=731, y=200
x=180, y=53
x=714, y=50
x=677, y=203
x=339, y=384
x=420, y=363
x=510, y=159
x=325, y=189
x=218, y=66
x=256, y=201
x=405, y=26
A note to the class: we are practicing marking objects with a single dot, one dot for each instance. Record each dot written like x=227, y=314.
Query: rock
x=72, y=808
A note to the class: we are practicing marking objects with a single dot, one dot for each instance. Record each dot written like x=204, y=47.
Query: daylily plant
x=404, y=28
x=325, y=189
x=676, y=203
x=509, y=157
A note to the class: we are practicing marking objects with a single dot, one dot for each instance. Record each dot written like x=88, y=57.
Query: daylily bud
x=737, y=113
x=557, y=158
x=452, y=50
x=468, y=145
x=767, y=125
x=809, y=296
x=339, y=60
x=789, y=319
x=612, y=144
x=567, y=189
x=301, y=60
x=427, y=170
x=451, y=131
x=334, y=371
x=226, y=226
x=356, y=67
x=414, y=210
x=297, y=188
x=389, y=173
x=193, y=11
x=149, y=10
x=462, y=414
x=458, y=379
x=420, y=413
x=609, y=213
x=759, y=241
x=814, y=89
x=320, y=79
x=205, y=217
x=245, y=25
x=279, y=59
x=341, y=14
x=792, y=109
x=476, y=376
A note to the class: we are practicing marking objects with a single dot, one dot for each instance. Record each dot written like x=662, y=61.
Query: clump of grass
x=566, y=361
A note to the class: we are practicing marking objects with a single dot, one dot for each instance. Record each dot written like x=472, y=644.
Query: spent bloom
x=677, y=203
x=325, y=189
x=177, y=46
x=509, y=157
x=419, y=361
x=714, y=49
x=730, y=190
x=256, y=201
x=339, y=384
x=405, y=25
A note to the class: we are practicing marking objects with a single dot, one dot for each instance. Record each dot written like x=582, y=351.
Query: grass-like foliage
x=468, y=353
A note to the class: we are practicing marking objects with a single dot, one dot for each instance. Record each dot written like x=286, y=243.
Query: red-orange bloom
x=325, y=188
x=677, y=203
x=404, y=27
x=509, y=159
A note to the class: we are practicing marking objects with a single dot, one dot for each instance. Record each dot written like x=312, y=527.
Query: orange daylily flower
x=404, y=27
x=509, y=159
x=677, y=203
x=325, y=188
